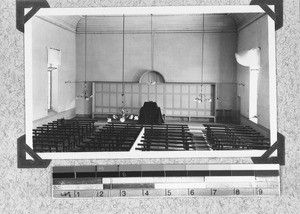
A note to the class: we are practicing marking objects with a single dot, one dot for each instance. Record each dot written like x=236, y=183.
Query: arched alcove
x=152, y=77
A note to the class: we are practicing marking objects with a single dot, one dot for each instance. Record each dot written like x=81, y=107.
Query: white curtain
x=250, y=58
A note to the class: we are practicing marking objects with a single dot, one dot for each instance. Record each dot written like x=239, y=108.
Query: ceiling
x=243, y=19
x=67, y=22
x=160, y=23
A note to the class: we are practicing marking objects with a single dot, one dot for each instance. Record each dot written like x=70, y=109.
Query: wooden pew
x=113, y=137
x=61, y=135
x=121, y=136
x=58, y=138
x=167, y=137
x=223, y=137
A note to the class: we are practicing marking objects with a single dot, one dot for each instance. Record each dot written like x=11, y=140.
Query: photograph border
x=156, y=11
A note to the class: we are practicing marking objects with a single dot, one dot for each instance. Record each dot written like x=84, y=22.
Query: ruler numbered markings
x=166, y=180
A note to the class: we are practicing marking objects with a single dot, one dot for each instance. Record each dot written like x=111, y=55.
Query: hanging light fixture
x=85, y=93
x=123, y=109
x=152, y=82
x=152, y=49
x=202, y=97
x=123, y=116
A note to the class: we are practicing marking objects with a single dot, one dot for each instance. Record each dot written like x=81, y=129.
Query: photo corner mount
x=22, y=149
x=22, y=18
x=279, y=145
x=276, y=15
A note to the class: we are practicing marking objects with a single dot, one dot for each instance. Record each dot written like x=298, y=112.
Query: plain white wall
x=177, y=56
x=49, y=35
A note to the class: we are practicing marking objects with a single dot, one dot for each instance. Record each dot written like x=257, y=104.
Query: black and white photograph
x=149, y=106
x=171, y=82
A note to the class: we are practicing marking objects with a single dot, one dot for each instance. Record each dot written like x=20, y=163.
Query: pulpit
x=150, y=113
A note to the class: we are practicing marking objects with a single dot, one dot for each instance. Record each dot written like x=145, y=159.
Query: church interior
x=150, y=82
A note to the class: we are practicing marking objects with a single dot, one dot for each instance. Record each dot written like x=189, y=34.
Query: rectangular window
x=49, y=90
x=253, y=95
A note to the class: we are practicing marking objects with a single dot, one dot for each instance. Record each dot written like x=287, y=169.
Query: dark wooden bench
x=61, y=135
x=166, y=137
x=222, y=137
x=112, y=137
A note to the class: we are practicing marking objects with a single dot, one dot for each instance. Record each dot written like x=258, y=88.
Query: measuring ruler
x=166, y=180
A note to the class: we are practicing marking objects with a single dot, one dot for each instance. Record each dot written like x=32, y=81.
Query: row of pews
x=234, y=137
x=166, y=137
x=112, y=137
x=62, y=135
x=79, y=135
x=82, y=135
x=122, y=136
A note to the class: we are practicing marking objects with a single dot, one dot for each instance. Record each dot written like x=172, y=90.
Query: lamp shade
x=249, y=58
